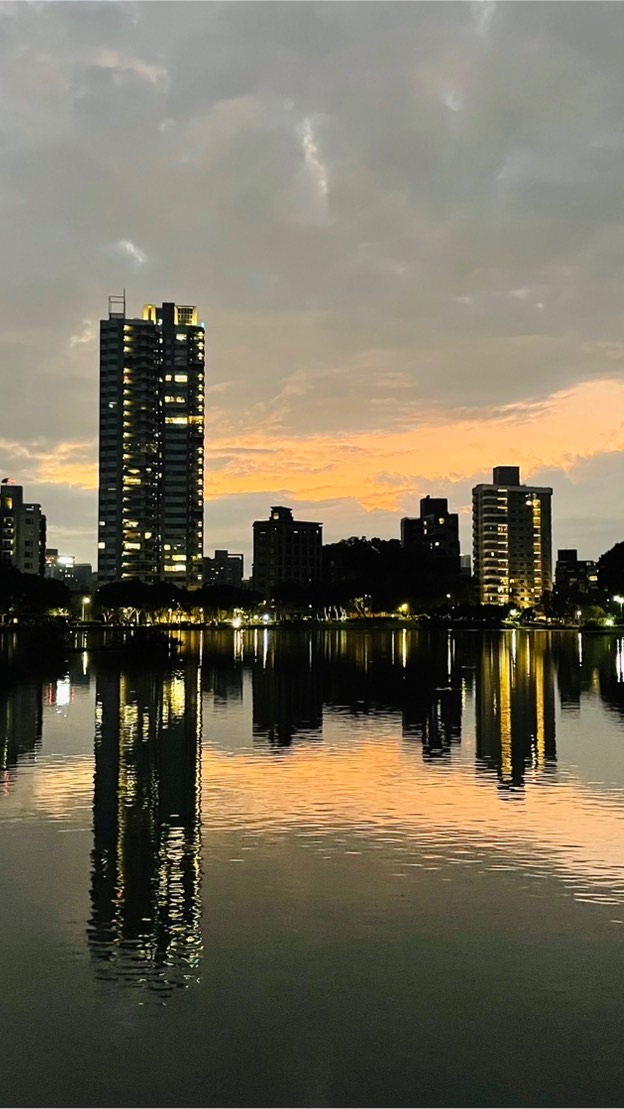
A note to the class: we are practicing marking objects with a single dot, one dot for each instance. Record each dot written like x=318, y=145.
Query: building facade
x=512, y=540
x=225, y=568
x=574, y=575
x=63, y=567
x=285, y=551
x=22, y=530
x=435, y=531
x=151, y=485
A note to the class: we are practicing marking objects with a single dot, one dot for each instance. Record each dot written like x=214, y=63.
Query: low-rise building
x=225, y=568
x=285, y=551
x=574, y=575
x=22, y=530
x=435, y=531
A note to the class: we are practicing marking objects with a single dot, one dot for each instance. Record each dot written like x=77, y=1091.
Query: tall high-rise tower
x=512, y=539
x=151, y=489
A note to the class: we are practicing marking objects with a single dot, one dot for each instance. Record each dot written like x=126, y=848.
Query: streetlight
x=85, y=601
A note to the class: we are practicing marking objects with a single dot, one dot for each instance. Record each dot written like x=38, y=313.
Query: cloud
x=401, y=223
x=155, y=75
x=126, y=248
x=87, y=335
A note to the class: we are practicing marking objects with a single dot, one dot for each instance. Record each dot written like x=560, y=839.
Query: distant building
x=435, y=531
x=285, y=551
x=59, y=567
x=512, y=539
x=574, y=574
x=151, y=475
x=22, y=530
x=84, y=577
x=77, y=576
x=224, y=569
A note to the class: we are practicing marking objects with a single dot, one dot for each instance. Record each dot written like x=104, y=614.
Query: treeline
x=359, y=574
x=28, y=595
x=611, y=570
x=592, y=600
x=163, y=597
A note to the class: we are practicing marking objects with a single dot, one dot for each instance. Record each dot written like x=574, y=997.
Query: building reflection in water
x=287, y=689
x=515, y=706
x=434, y=694
x=222, y=670
x=27, y=663
x=21, y=724
x=145, y=925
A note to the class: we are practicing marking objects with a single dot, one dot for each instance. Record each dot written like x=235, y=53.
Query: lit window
x=132, y=546
x=180, y=377
x=181, y=336
x=101, y=546
x=176, y=419
x=147, y=535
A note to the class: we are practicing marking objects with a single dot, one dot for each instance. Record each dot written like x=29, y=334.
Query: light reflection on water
x=263, y=761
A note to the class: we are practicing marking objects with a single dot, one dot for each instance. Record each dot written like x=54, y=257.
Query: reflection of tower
x=604, y=658
x=515, y=706
x=21, y=718
x=432, y=704
x=145, y=925
x=287, y=690
x=568, y=654
x=222, y=667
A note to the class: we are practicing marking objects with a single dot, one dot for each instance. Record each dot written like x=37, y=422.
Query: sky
x=401, y=222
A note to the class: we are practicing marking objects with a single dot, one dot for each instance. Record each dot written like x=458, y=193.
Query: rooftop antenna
x=117, y=306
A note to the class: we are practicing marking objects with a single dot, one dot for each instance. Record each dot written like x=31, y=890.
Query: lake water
x=325, y=869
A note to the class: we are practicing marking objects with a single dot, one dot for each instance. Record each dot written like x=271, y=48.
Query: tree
x=611, y=570
x=28, y=595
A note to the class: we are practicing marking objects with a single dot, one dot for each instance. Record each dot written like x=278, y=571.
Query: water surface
x=324, y=869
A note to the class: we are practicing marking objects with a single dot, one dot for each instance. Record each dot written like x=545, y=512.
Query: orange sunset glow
x=376, y=468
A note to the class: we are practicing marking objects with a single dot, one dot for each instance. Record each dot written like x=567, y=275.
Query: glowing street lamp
x=85, y=602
